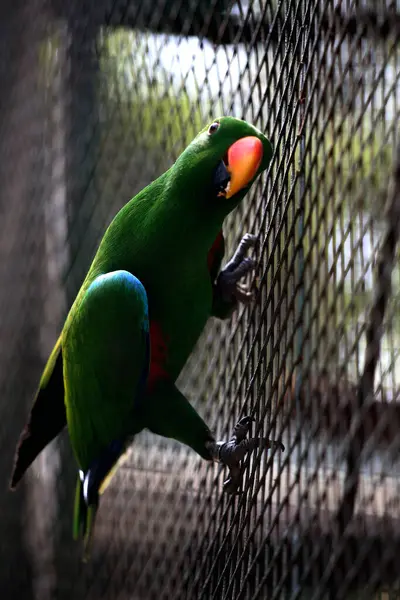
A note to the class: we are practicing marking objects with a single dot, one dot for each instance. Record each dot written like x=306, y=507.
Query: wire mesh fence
x=99, y=98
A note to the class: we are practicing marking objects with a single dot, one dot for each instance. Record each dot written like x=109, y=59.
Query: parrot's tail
x=88, y=489
x=84, y=518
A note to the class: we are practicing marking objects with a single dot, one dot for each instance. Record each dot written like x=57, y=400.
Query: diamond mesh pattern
x=99, y=98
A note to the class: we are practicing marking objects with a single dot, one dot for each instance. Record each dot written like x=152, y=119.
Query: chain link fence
x=99, y=98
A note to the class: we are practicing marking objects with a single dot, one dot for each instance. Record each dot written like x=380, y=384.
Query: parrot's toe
x=236, y=269
x=245, y=295
x=249, y=241
x=232, y=452
x=242, y=428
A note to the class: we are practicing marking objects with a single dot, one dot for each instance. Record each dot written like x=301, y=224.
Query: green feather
x=88, y=532
x=151, y=265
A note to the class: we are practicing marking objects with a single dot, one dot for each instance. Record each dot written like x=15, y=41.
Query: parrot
x=156, y=278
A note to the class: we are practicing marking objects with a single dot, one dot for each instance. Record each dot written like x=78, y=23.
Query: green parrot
x=155, y=280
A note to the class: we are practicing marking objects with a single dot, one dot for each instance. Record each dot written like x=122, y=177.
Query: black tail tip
x=15, y=479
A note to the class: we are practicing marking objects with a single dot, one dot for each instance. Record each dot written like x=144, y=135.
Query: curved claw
x=245, y=421
x=242, y=428
x=249, y=240
x=243, y=296
x=231, y=486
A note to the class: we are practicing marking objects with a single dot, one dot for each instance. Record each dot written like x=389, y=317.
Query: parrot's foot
x=238, y=267
x=232, y=452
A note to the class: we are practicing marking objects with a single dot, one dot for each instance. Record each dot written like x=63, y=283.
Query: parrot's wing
x=47, y=418
x=106, y=355
x=106, y=363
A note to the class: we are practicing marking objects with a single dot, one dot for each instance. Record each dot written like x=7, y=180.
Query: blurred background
x=97, y=98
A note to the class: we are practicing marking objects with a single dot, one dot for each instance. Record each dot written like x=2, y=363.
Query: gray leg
x=168, y=413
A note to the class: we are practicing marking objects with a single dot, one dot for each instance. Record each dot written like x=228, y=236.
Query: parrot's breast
x=158, y=356
x=178, y=315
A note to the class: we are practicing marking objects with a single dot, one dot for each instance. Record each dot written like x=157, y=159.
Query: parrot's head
x=222, y=162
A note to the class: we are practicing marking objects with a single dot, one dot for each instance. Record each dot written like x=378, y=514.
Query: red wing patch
x=158, y=354
x=216, y=248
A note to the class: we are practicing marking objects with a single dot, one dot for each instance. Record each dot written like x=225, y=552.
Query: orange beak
x=244, y=158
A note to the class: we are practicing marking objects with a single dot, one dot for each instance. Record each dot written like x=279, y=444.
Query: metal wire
x=99, y=98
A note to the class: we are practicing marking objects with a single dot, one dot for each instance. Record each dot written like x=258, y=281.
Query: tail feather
x=47, y=417
x=80, y=511
x=84, y=518
x=89, y=529
x=89, y=486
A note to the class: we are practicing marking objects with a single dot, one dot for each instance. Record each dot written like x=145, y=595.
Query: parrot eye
x=213, y=127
